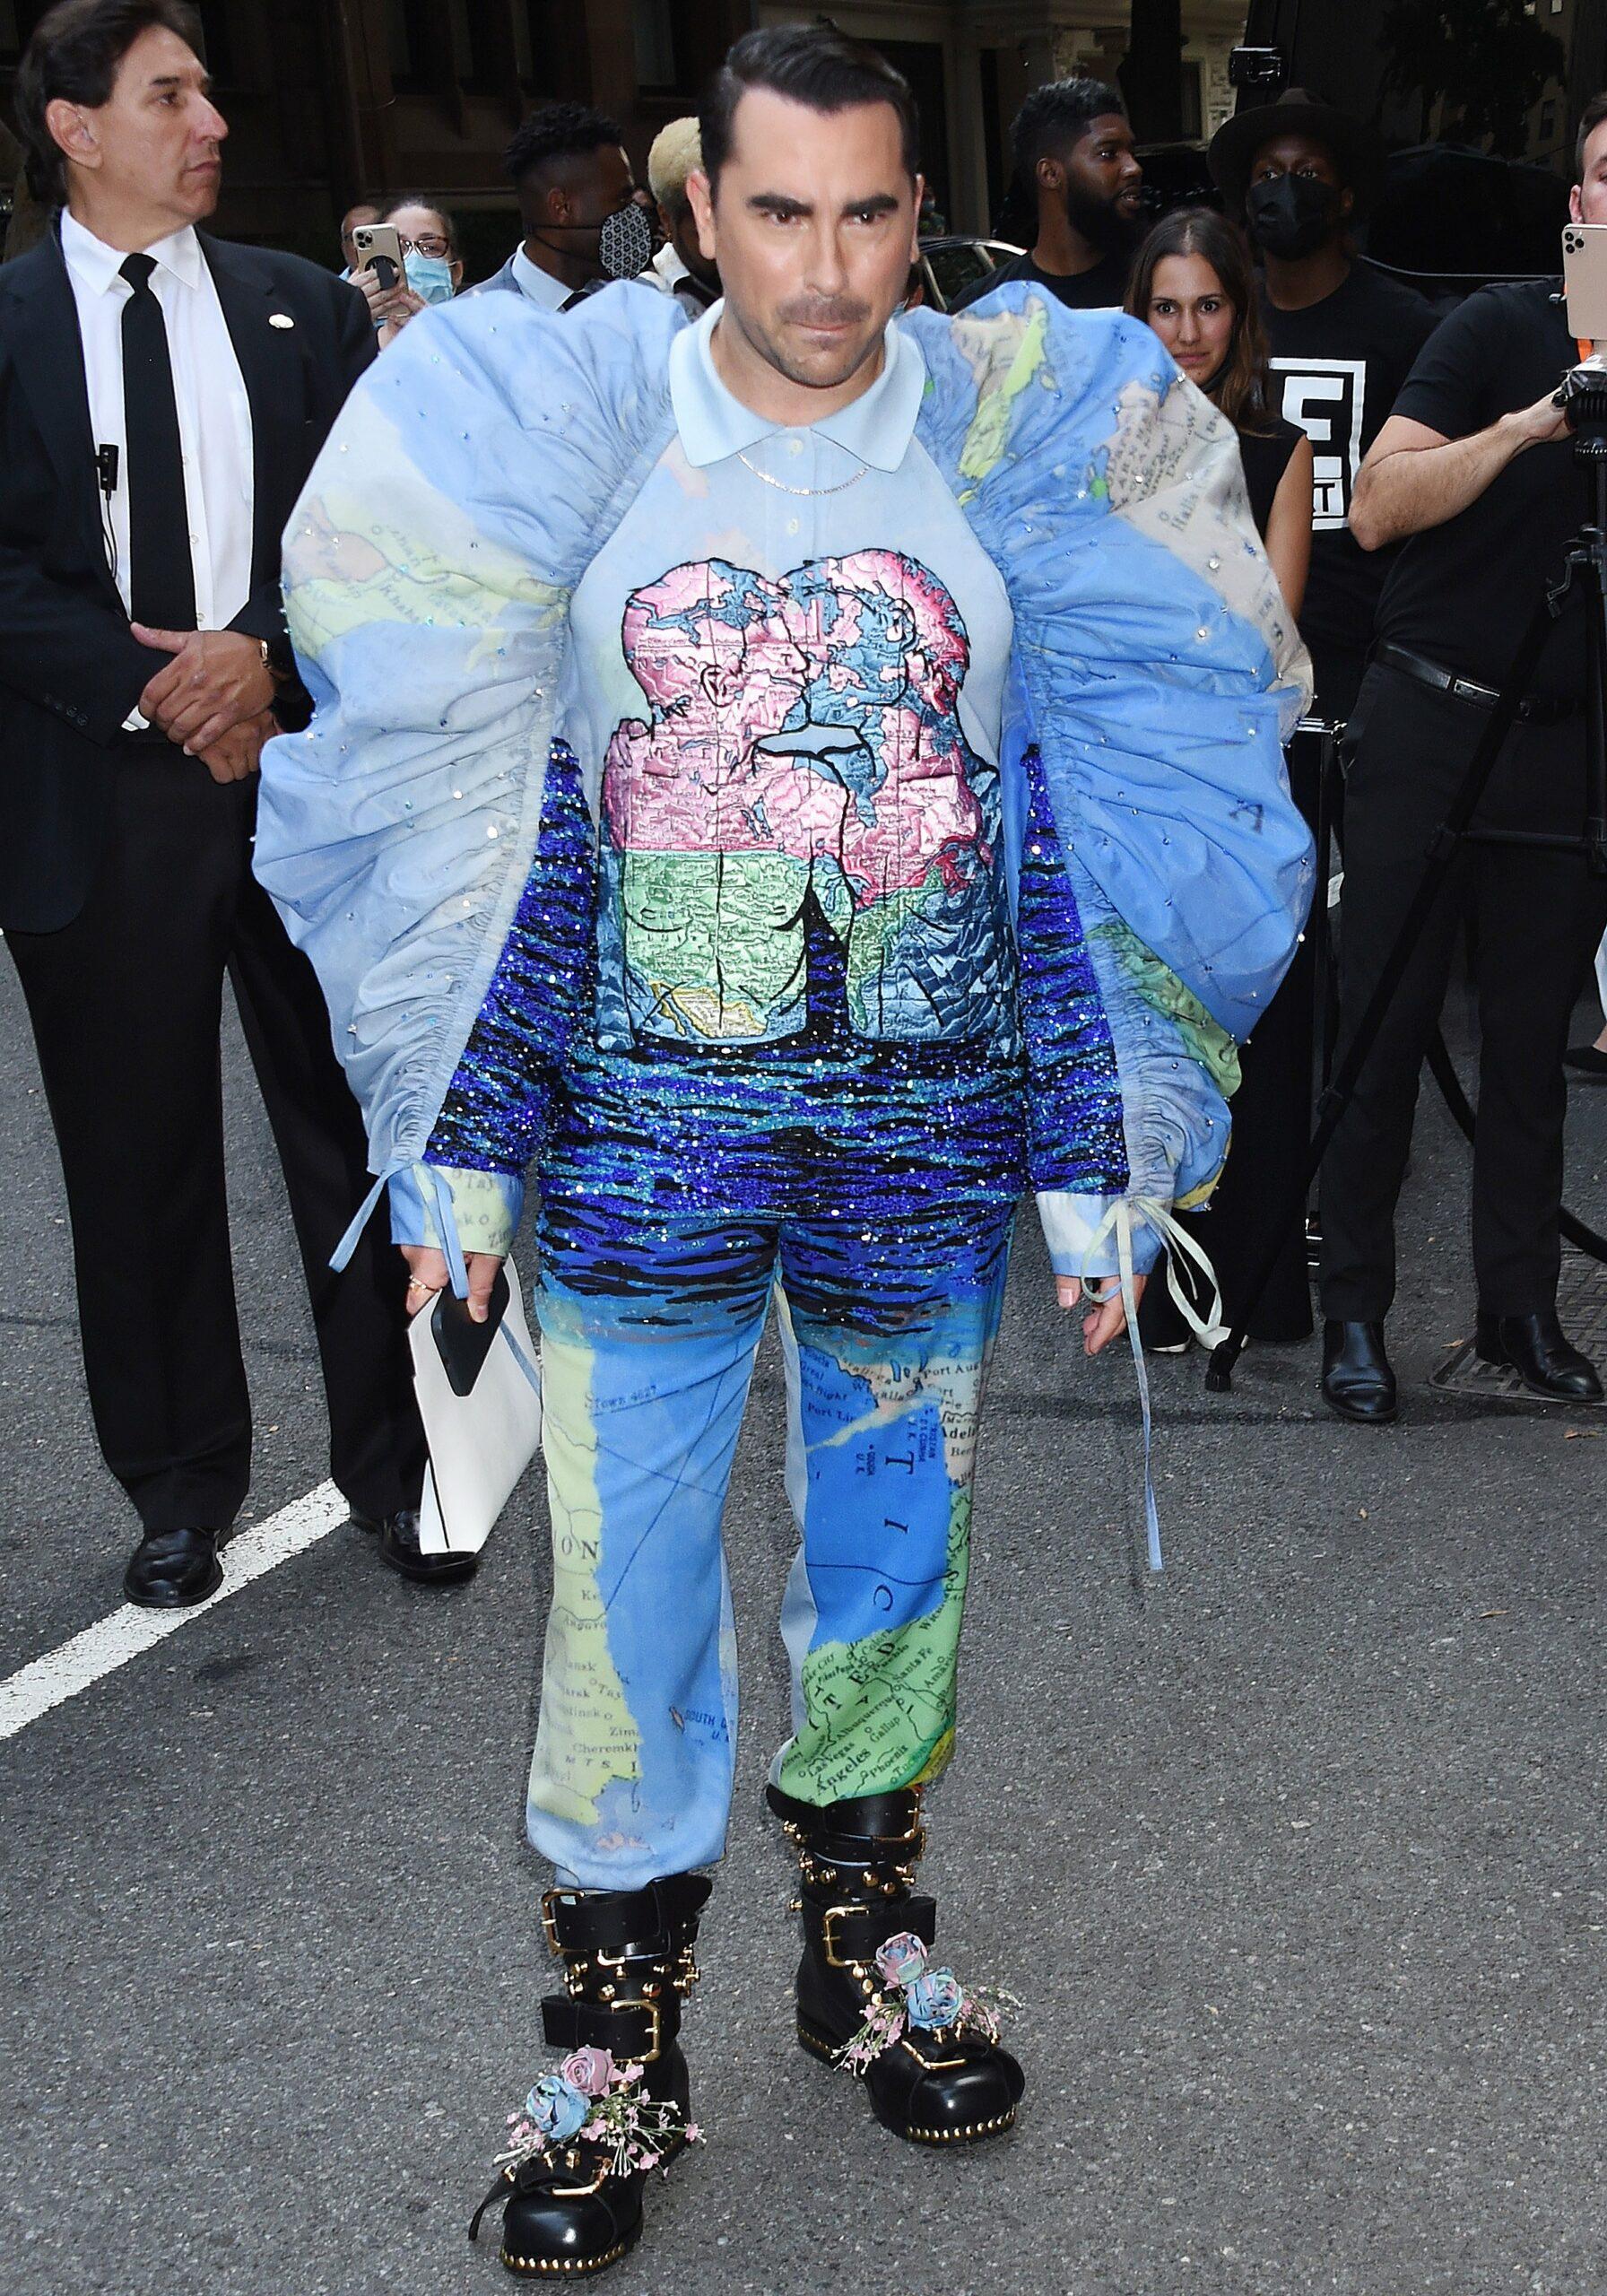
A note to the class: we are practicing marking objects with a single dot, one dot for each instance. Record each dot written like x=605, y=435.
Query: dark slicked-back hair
x=75, y=53
x=1590, y=120
x=1055, y=117
x=810, y=65
x=558, y=132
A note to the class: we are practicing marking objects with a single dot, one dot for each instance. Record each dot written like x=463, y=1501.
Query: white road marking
x=111, y=1643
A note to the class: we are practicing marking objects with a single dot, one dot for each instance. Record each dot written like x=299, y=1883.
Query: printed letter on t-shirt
x=1327, y=398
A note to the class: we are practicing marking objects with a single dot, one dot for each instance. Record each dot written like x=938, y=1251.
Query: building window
x=475, y=59
x=657, y=64
x=1191, y=109
x=404, y=31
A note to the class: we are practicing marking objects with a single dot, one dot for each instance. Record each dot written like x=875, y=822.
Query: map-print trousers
x=648, y=1337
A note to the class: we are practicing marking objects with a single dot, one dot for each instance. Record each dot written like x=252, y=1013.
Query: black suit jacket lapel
x=271, y=367
x=46, y=353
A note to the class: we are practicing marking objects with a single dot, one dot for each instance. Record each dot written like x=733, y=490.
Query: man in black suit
x=162, y=396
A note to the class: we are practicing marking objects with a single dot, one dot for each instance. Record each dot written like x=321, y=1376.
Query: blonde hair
x=677, y=150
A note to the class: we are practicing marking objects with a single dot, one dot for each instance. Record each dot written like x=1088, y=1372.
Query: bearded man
x=1076, y=172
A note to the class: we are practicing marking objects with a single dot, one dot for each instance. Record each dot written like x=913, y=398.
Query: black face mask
x=1292, y=216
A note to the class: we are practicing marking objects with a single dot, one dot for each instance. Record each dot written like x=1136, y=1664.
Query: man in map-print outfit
x=789, y=783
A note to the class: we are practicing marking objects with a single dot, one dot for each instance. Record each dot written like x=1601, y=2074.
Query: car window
x=956, y=266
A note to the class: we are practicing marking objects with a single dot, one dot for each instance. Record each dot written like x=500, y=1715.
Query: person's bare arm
x=1414, y=477
x=1289, y=528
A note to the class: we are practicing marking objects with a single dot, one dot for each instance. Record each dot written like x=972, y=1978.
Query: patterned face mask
x=625, y=245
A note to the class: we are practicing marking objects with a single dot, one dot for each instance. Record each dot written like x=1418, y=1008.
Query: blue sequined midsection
x=823, y=1121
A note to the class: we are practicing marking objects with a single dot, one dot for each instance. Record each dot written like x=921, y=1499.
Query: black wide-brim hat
x=1357, y=151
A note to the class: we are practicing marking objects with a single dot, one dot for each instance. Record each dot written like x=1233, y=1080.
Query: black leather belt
x=1531, y=712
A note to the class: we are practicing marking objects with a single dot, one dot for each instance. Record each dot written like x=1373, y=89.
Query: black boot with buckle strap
x=870, y=1997
x=579, y=2154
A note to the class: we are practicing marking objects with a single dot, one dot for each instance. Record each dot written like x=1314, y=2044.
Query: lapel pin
x=279, y=319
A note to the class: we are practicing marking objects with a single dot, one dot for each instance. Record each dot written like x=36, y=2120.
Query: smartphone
x=1584, y=280
x=463, y=1344
x=379, y=250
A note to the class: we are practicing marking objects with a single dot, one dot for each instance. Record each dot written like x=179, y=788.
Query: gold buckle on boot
x=834, y=1960
x=655, y=2015
x=549, y=1920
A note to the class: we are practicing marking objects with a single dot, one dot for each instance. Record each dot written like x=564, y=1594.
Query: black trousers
x=1537, y=918
x=126, y=1003
x=1271, y=1125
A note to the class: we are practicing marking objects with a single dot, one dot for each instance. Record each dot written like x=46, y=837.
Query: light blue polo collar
x=714, y=423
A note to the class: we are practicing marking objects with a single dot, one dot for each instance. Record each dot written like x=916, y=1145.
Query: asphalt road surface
x=1293, y=1858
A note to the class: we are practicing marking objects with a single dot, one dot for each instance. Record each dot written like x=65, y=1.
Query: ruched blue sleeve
x=471, y=477
x=1157, y=674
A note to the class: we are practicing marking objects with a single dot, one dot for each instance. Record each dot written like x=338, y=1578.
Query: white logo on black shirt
x=1327, y=398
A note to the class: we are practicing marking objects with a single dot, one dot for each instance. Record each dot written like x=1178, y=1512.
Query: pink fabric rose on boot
x=589, y=2070
x=902, y=1959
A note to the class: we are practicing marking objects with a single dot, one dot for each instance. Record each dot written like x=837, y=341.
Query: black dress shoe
x=1358, y=1383
x=1587, y=1059
x=171, y=1569
x=399, y=1547
x=1533, y=1346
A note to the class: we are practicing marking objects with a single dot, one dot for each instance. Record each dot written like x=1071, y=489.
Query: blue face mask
x=430, y=276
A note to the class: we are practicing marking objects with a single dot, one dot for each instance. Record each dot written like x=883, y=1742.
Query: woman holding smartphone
x=1194, y=284
x=431, y=264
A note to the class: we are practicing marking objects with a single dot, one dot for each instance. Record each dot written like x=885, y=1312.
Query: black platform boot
x=580, y=2153
x=869, y=1996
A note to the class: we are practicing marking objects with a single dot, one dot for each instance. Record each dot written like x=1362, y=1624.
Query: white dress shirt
x=214, y=412
x=549, y=293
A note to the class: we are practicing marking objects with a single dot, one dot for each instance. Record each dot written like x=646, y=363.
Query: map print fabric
x=886, y=1339
x=737, y=827
x=804, y=738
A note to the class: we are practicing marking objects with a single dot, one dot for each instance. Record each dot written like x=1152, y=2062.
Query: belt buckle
x=915, y=1833
x=656, y=2014
x=834, y=1960
x=549, y=1920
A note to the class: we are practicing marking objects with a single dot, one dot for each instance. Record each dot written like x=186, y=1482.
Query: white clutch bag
x=482, y=1443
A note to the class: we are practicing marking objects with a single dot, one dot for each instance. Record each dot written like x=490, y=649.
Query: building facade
x=328, y=100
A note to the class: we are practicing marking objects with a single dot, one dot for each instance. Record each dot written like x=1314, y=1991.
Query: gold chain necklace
x=782, y=487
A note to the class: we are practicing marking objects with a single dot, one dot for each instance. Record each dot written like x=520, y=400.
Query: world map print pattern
x=804, y=741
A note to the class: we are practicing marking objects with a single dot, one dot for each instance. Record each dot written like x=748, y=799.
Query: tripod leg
x=1336, y=1098
x=1590, y=575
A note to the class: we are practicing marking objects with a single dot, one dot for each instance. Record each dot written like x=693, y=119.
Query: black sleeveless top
x=1264, y=454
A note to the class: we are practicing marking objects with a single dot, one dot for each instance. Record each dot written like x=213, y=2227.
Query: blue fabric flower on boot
x=557, y=2109
x=935, y=1998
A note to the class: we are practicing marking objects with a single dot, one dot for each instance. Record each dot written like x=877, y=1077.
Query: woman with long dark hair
x=1193, y=284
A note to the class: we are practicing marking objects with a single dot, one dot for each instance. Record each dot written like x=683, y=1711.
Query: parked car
x=947, y=265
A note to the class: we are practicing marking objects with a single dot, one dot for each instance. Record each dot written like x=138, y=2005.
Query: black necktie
x=161, y=579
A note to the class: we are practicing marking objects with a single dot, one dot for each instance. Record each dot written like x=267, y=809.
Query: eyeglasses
x=430, y=243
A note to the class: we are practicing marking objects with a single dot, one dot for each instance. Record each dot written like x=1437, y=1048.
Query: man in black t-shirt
x=1073, y=159
x=1474, y=474
x=1342, y=337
